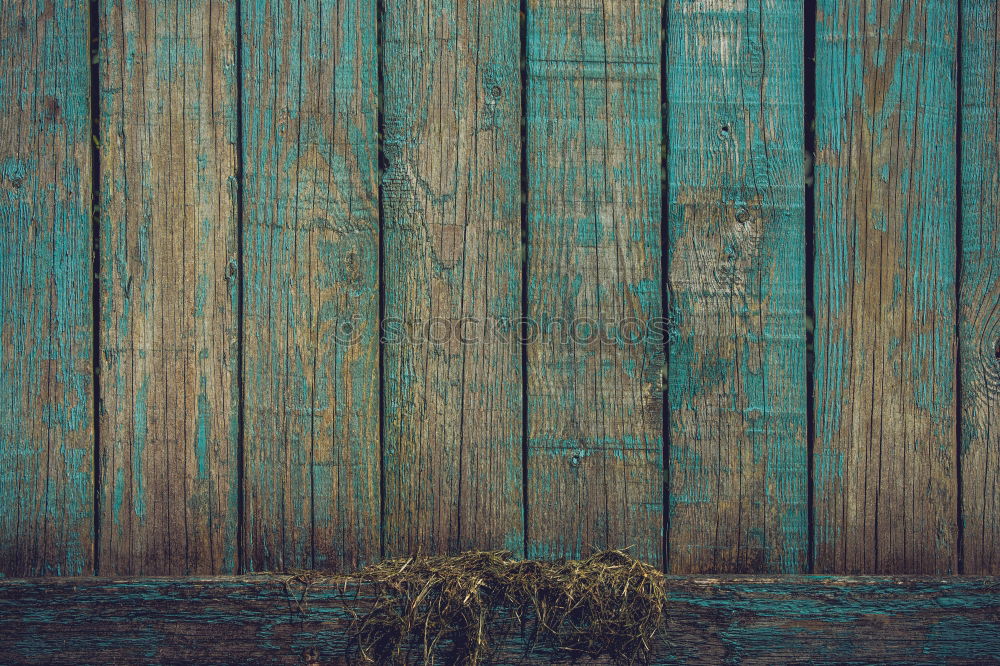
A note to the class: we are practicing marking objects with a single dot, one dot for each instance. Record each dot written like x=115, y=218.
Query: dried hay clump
x=454, y=609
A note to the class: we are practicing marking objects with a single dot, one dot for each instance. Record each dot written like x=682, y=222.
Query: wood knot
x=51, y=109
x=352, y=267
x=310, y=656
x=754, y=60
x=492, y=82
x=13, y=171
x=728, y=275
x=988, y=385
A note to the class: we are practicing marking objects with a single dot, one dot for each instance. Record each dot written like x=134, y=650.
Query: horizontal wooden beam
x=747, y=619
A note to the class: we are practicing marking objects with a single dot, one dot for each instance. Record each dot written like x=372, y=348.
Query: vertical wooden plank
x=168, y=418
x=595, y=467
x=310, y=240
x=452, y=265
x=885, y=478
x=736, y=276
x=46, y=333
x=979, y=296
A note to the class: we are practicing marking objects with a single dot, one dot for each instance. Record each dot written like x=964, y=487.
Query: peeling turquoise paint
x=736, y=371
x=885, y=286
x=46, y=391
x=593, y=134
x=310, y=263
x=979, y=288
x=737, y=368
x=119, y=496
x=139, y=447
x=203, y=430
x=722, y=620
x=961, y=638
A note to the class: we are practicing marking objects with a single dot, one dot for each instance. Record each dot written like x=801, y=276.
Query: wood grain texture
x=711, y=620
x=46, y=282
x=979, y=296
x=595, y=447
x=452, y=242
x=168, y=498
x=310, y=241
x=736, y=278
x=885, y=477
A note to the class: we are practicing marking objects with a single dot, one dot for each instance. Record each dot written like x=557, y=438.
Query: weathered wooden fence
x=306, y=284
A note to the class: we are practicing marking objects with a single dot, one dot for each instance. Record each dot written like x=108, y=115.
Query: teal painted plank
x=885, y=477
x=595, y=445
x=310, y=242
x=736, y=280
x=452, y=276
x=979, y=297
x=46, y=332
x=710, y=620
x=168, y=420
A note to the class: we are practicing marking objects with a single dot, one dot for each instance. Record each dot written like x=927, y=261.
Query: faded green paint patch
x=203, y=430
x=139, y=447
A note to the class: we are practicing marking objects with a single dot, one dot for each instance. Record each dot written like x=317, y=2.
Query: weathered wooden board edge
x=713, y=619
